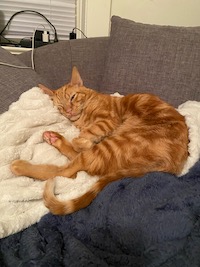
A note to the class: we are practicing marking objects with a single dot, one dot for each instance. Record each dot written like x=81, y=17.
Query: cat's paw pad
x=18, y=167
x=81, y=143
x=52, y=138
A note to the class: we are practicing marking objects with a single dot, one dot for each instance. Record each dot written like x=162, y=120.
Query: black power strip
x=40, y=38
x=28, y=43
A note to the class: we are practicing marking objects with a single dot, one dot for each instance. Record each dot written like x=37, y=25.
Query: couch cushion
x=54, y=62
x=164, y=60
x=14, y=81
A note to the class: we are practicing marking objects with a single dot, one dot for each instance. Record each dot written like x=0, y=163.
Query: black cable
x=8, y=41
x=35, y=12
x=80, y=31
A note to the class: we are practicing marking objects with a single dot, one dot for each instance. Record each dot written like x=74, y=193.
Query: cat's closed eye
x=72, y=97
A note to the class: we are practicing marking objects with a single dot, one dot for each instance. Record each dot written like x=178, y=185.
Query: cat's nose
x=68, y=110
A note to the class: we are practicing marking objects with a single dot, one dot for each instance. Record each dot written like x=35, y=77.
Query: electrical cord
x=32, y=54
x=33, y=38
x=14, y=66
x=8, y=41
x=34, y=12
x=33, y=47
x=75, y=28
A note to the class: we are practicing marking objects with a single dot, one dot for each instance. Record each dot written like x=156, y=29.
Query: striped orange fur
x=119, y=137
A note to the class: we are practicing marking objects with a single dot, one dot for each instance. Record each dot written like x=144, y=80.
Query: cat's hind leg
x=59, y=142
x=42, y=171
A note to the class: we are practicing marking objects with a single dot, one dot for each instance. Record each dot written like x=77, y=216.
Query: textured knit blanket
x=21, y=129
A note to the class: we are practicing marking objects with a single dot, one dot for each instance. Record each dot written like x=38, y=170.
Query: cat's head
x=70, y=99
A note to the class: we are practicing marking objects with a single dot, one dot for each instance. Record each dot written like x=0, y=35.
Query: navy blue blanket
x=146, y=222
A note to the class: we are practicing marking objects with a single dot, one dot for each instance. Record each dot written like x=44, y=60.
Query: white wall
x=162, y=12
x=97, y=13
x=93, y=17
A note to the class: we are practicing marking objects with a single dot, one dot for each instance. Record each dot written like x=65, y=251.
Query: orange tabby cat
x=119, y=137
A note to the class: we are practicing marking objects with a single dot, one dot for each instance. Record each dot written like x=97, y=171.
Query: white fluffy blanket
x=21, y=129
x=191, y=111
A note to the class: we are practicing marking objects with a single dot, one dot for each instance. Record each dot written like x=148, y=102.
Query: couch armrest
x=54, y=62
x=15, y=81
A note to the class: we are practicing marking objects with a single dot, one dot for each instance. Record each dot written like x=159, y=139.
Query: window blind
x=61, y=13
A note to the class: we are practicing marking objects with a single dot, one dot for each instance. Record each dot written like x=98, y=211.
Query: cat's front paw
x=53, y=138
x=19, y=167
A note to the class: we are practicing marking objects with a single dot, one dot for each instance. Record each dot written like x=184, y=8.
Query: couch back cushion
x=14, y=81
x=164, y=60
x=54, y=62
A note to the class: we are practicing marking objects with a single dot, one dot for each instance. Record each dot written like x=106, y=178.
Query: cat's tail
x=59, y=207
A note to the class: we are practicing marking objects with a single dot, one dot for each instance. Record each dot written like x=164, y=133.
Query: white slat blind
x=61, y=13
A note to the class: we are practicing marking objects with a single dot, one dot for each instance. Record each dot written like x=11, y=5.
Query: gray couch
x=152, y=221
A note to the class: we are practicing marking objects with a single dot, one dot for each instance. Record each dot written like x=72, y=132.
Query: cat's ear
x=46, y=90
x=76, y=78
